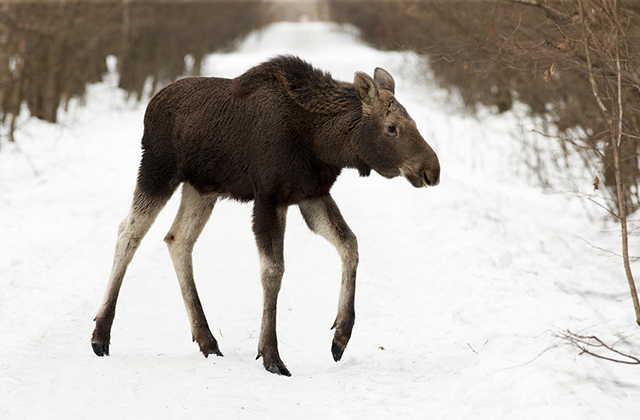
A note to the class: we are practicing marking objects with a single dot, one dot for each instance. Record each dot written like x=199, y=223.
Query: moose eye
x=392, y=129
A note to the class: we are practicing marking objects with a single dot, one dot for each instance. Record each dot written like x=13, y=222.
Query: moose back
x=278, y=135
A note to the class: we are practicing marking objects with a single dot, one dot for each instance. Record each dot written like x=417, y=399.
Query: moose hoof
x=210, y=348
x=274, y=364
x=337, y=350
x=278, y=370
x=100, y=349
x=207, y=344
x=215, y=351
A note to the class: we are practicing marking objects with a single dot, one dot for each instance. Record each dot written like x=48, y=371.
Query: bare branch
x=593, y=346
x=536, y=3
x=592, y=80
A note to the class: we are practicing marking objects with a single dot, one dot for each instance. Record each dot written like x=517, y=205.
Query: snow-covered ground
x=463, y=289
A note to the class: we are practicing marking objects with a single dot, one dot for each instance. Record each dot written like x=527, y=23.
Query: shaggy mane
x=310, y=88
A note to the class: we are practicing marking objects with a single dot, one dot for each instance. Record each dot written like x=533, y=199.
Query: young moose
x=280, y=134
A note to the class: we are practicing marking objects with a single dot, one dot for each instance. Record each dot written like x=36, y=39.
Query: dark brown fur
x=278, y=135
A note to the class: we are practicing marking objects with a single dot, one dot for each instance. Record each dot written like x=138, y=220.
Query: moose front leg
x=323, y=217
x=268, y=226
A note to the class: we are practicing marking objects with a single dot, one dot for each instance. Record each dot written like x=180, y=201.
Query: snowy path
x=462, y=288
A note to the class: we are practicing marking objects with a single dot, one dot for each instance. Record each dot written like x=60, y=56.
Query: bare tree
x=611, y=85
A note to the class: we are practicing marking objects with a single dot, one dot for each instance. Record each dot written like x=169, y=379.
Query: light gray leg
x=133, y=228
x=193, y=214
x=268, y=226
x=323, y=217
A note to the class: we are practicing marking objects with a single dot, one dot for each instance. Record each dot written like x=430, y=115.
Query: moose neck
x=334, y=140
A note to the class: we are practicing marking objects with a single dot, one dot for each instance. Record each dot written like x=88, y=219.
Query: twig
x=586, y=343
x=592, y=80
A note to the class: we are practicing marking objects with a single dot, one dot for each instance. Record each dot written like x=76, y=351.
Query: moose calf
x=278, y=135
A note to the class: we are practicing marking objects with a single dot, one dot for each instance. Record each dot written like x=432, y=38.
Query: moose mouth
x=418, y=181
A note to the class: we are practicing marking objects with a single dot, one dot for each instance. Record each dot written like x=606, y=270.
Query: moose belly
x=284, y=186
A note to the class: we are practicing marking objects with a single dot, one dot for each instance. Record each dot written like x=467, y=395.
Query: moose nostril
x=430, y=178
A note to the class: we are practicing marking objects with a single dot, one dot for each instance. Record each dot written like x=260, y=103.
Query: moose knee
x=122, y=226
x=271, y=268
x=349, y=248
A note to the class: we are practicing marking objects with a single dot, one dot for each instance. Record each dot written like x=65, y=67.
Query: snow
x=463, y=289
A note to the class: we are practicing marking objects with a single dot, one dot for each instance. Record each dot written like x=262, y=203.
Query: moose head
x=390, y=142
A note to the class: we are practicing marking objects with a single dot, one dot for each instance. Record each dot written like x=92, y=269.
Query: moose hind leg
x=268, y=226
x=193, y=214
x=133, y=228
x=323, y=217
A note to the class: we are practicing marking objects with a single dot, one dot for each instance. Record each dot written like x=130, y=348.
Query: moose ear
x=384, y=80
x=366, y=88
